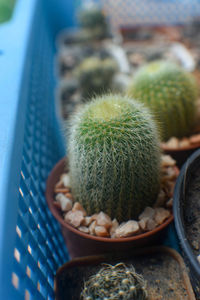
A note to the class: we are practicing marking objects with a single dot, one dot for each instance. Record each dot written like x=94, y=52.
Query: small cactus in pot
x=114, y=157
x=95, y=76
x=171, y=93
x=114, y=283
x=93, y=21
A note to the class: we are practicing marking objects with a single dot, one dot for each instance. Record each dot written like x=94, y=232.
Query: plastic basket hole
x=38, y=286
x=28, y=271
x=15, y=280
x=29, y=249
x=27, y=295
x=17, y=254
x=22, y=194
x=18, y=230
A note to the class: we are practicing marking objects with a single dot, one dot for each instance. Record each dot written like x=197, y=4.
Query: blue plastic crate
x=31, y=244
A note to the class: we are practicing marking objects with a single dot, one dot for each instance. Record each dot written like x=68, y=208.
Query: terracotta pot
x=153, y=263
x=82, y=244
x=180, y=154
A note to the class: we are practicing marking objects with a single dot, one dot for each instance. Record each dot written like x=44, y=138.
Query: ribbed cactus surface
x=114, y=157
x=118, y=282
x=171, y=93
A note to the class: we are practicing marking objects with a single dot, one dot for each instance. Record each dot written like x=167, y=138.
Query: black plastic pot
x=182, y=186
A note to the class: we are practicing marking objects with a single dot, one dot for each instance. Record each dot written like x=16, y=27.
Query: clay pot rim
x=190, y=147
x=50, y=199
x=178, y=214
x=92, y=259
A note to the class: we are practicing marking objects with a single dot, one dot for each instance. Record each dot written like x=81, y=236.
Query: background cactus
x=94, y=22
x=95, y=75
x=114, y=157
x=115, y=282
x=171, y=93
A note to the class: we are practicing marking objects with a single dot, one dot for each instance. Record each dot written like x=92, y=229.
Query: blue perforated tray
x=31, y=244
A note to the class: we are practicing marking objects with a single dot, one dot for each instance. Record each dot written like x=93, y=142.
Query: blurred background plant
x=6, y=9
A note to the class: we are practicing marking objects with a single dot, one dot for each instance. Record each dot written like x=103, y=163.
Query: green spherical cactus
x=93, y=20
x=171, y=93
x=114, y=283
x=114, y=157
x=95, y=76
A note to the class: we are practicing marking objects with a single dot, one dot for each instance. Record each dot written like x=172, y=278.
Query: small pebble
x=173, y=143
x=61, y=190
x=128, y=229
x=195, y=139
x=83, y=229
x=161, y=214
x=94, y=217
x=101, y=231
x=113, y=228
x=104, y=220
x=66, y=180
x=77, y=206
x=143, y=223
x=195, y=245
x=69, y=195
x=167, y=161
x=87, y=221
x=150, y=225
x=149, y=213
x=75, y=218
x=185, y=142
x=65, y=203
x=92, y=227
x=160, y=201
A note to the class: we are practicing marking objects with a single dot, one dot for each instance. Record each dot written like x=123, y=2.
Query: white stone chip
x=78, y=206
x=149, y=212
x=92, y=227
x=113, y=228
x=65, y=203
x=128, y=229
x=167, y=161
x=75, y=218
x=104, y=220
x=161, y=215
x=101, y=231
x=66, y=180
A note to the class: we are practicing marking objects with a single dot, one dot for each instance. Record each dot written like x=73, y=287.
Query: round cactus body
x=114, y=283
x=114, y=157
x=95, y=76
x=171, y=93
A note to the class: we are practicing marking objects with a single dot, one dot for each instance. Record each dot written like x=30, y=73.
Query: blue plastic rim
x=31, y=244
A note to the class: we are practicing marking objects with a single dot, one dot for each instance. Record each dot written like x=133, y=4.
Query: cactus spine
x=170, y=92
x=114, y=157
x=115, y=282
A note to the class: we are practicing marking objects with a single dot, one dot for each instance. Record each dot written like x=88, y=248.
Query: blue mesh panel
x=38, y=246
x=38, y=239
x=135, y=12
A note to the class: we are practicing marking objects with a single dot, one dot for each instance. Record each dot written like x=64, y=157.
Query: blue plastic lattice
x=31, y=244
x=139, y=12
